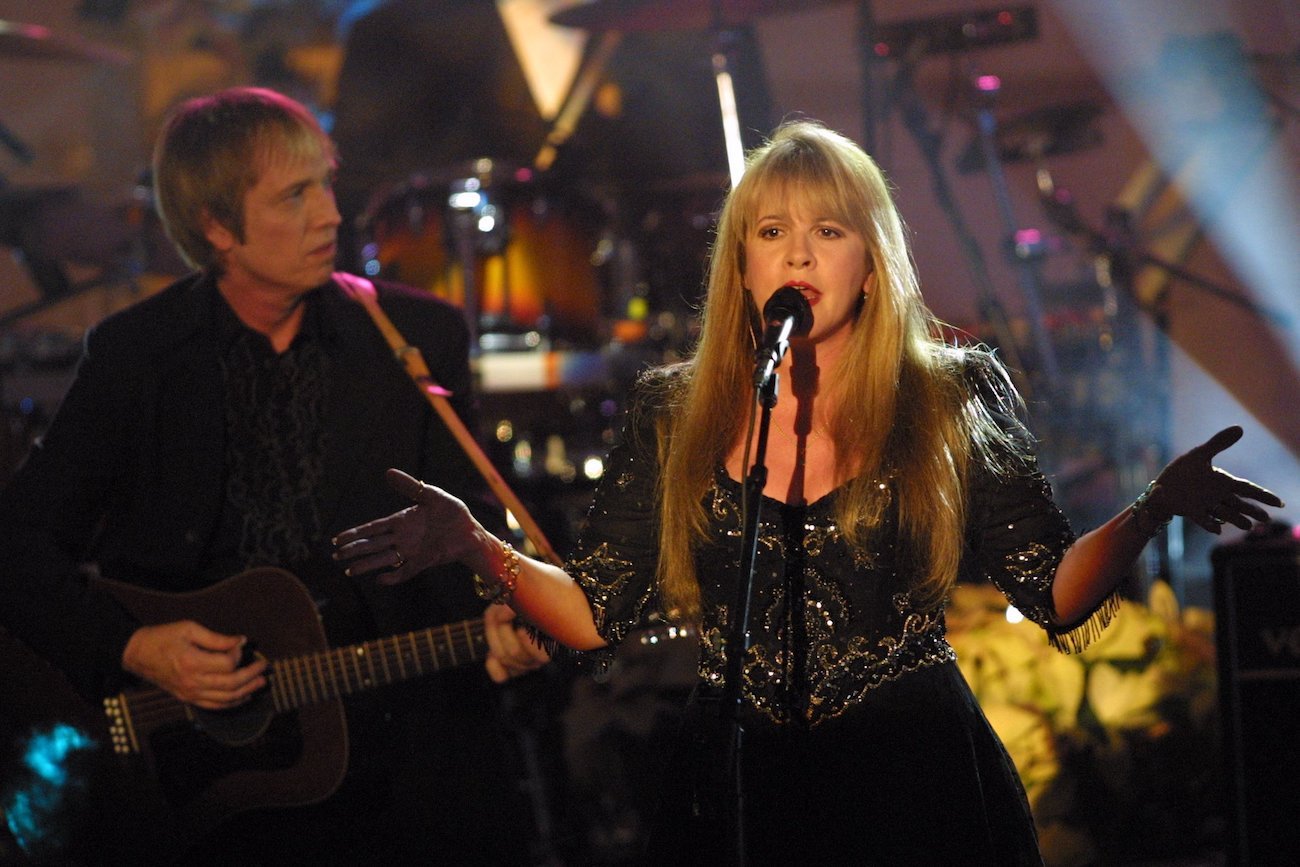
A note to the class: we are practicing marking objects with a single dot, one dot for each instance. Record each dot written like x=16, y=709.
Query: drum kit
x=568, y=290
x=539, y=265
x=550, y=276
x=45, y=226
x=535, y=263
x=55, y=226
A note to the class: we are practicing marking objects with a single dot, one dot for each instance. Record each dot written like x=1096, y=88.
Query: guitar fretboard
x=304, y=680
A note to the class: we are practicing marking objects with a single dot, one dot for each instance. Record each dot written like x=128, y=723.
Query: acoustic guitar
x=288, y=745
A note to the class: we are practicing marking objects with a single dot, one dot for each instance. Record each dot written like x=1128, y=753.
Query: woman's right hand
x=438, y=529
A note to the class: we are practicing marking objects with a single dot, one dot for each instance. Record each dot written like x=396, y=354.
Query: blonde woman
x=895, y=464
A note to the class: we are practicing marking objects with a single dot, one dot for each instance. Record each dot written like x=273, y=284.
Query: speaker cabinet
x=1257, y=602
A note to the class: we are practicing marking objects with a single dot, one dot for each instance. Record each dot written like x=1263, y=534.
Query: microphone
x=786, y=314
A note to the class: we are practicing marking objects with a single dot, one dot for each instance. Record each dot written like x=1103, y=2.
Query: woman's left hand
x=1193, y=487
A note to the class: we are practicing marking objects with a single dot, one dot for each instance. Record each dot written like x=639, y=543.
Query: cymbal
x=1050, y=131
x=634, y=15
x=39, y=42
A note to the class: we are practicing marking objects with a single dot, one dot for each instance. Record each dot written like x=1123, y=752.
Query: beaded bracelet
x=1141, y=510
x=505, y=585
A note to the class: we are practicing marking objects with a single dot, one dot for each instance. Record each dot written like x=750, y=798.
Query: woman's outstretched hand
x=438, y=529
x=1193, y=487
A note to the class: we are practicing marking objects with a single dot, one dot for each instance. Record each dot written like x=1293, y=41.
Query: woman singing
x=895, y=464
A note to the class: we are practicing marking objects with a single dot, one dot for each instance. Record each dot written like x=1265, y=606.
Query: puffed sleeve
x=617, y=553
x=1018, y=535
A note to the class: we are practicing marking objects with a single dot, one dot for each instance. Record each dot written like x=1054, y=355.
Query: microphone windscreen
x=789, y=303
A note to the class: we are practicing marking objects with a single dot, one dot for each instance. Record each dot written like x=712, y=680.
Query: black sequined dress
x=863, y=743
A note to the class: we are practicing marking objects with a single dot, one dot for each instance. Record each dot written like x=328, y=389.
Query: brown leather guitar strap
x=363, y=292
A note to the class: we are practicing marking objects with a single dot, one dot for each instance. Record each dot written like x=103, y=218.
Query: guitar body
x=172, y=773
x=210, y=765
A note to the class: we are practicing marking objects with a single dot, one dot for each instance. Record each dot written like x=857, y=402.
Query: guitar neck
x=303, y=680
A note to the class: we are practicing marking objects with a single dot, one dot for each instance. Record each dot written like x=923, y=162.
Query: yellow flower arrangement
x=1117, y=746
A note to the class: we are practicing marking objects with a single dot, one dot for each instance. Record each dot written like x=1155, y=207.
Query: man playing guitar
x=238, y=420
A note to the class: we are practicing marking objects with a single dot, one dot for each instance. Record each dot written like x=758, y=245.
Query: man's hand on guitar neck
x=511, y=651
x=195, y=664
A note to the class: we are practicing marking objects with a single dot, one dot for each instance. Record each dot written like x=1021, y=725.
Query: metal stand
x=867, y=53
x=1116, y=246
x=986, y=87
x=723, y=39
x=912, y=110
x=478, y=229
x=739, y=641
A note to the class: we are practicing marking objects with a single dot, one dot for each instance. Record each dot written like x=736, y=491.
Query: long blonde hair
x=914, y=452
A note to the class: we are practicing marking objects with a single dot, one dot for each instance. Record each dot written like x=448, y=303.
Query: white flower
x=1122, y=699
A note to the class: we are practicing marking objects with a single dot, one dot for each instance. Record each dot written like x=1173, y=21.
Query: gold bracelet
x=505, y=585
x=1141, y=510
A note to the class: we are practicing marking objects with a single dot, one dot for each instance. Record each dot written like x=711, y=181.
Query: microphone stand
x=902, y=93
x=871, y=109
x=739, y=640
x=15, y=145
x=986, y=124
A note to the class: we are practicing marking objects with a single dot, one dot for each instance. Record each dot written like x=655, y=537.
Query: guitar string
x=460, y=641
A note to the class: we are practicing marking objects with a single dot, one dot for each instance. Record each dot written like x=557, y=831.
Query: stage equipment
x=1257, y=605
x=519, y=255
x=957, y=31
x=656, y=15
x=52, y=227
x=906, y=44
x=34, y=41
x=1051, y=131
x=719, y=17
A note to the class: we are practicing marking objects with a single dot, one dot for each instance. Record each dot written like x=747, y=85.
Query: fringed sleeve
x=1073, y=639
x=1018, y=535
x=1018, y=541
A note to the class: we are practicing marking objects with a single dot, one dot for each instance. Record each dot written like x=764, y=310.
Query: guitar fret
x=356, y=669
x=415, y=653
x=287, y=684
x=351, y=676
x=321, y=678
x=303, y=668
x=302, y=682
x=339, y=662
x=435, y=659
x=451, y=645
x=367, y=652
x=325, y=675
x=291, y=685
x=469, y=639
x=397, y=656
x=383, y=661
x=336, y=676
x=277, y=689
x=344, y=659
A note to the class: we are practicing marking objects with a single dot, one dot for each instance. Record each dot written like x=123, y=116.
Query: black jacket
x=129, y=476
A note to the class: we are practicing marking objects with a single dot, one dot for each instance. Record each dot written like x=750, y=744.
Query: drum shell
x=538, y=269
